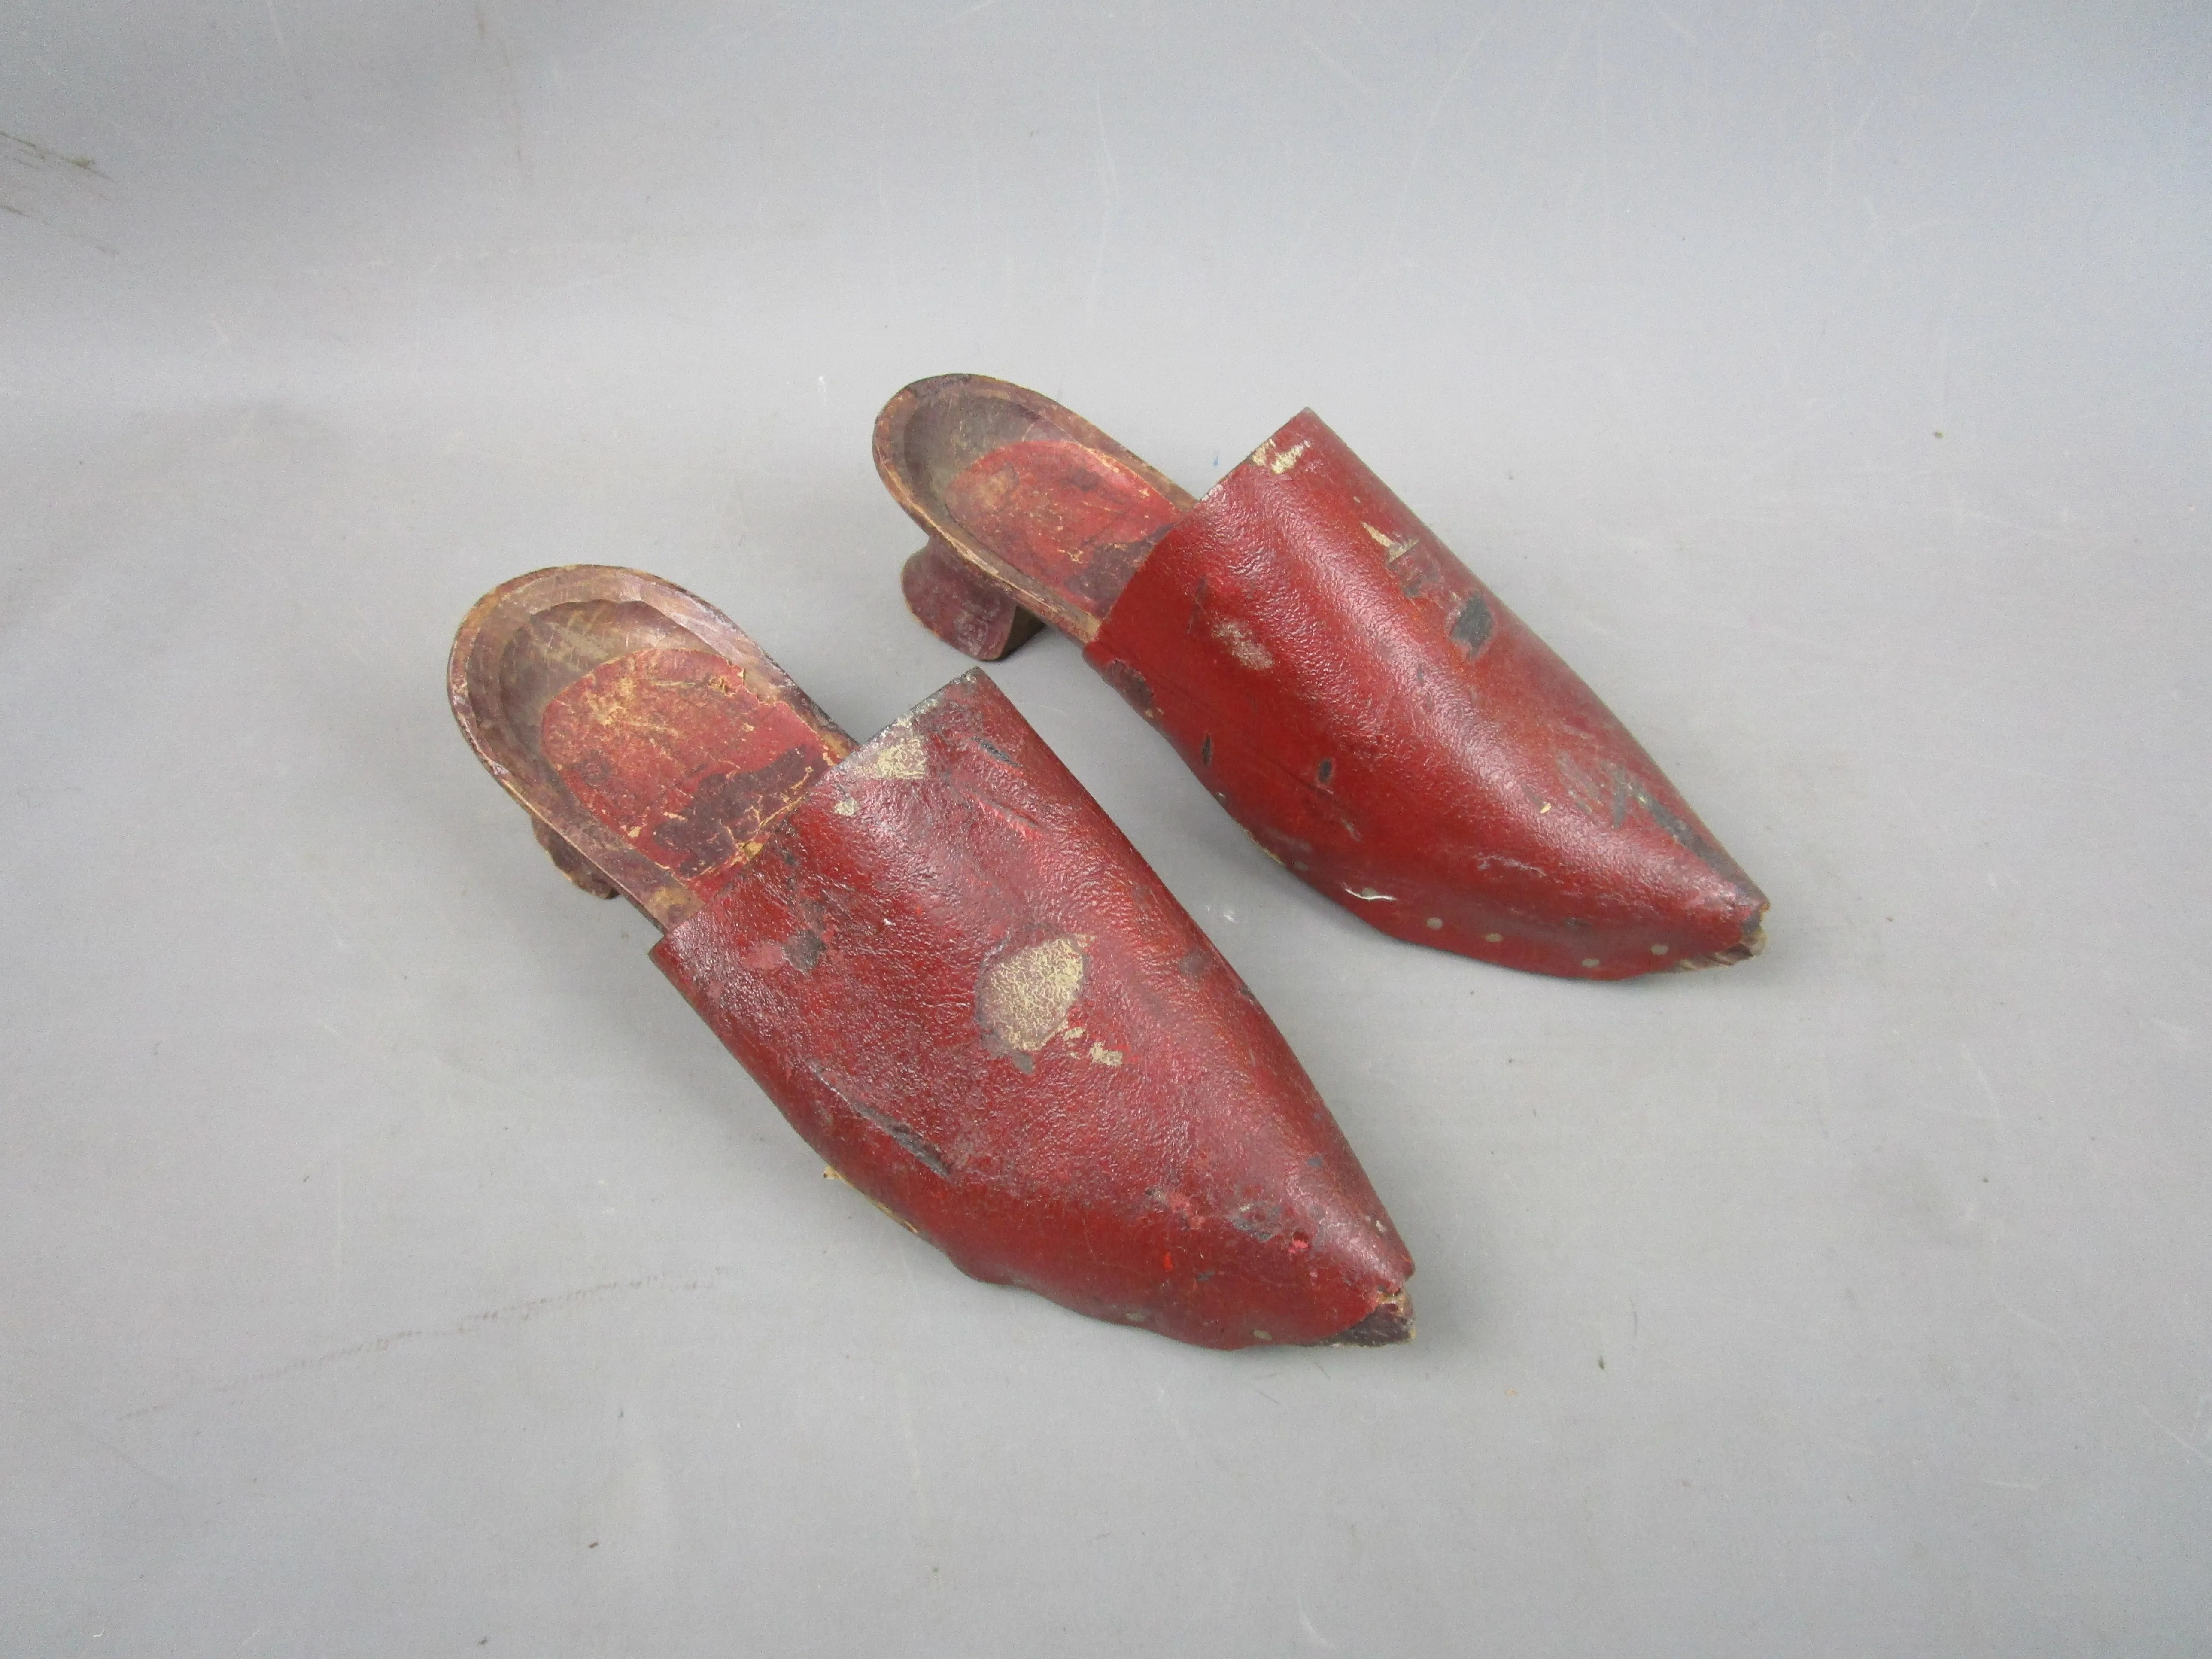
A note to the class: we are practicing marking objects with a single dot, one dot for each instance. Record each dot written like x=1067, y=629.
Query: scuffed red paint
x=671, y=749
x=1079, y=518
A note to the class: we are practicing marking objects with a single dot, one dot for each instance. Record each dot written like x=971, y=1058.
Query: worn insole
x=1073, y=520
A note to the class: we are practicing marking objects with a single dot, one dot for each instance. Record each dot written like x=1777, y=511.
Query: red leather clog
x=941, y=961
x=1374, y=715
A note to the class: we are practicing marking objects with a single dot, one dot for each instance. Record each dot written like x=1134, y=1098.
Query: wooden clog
x=1374, y=715
x=943, y=963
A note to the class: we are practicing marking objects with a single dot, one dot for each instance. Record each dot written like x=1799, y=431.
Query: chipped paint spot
x=1278, y=461
x=846, y=807
x=1370, y=893
x=1589, y=961
x=1493, y=938
x=1259, y=1335
x=1024, y=997
x=1242, y=646
x=899, y=753
x=1391, y=550
x=1436, y=922
x=1658, y=950
x=1102, y=1055
x=1475, y=622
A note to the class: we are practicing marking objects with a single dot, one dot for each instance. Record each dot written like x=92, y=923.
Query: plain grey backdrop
x=393, y=1265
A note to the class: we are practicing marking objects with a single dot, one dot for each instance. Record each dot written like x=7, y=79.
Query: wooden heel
x=572, y=863
x=966, y=610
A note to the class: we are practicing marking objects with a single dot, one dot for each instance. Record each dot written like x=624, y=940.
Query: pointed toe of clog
x=1391, y=1323
x=1557, y=892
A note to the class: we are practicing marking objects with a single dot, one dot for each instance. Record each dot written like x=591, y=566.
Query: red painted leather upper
x=1394, y=735
x=975, y=999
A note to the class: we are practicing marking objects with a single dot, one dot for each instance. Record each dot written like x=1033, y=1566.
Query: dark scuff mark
x=1007, y=813
x=1206, y=751
x=919, y=1150
x=994, y=752
x=1392, y=1321
x=1131, y=684
x=910, y=1142
x=1474, y=624
x=26, y=213
x=1593, y=798
x=1325, y=771
x=803, y=950
x=1627, y=787
x=25, y=153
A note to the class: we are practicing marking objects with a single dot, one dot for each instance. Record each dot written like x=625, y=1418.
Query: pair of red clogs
x=951, y=971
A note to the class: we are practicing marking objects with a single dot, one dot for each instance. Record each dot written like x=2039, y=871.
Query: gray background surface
x=394, y=1265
